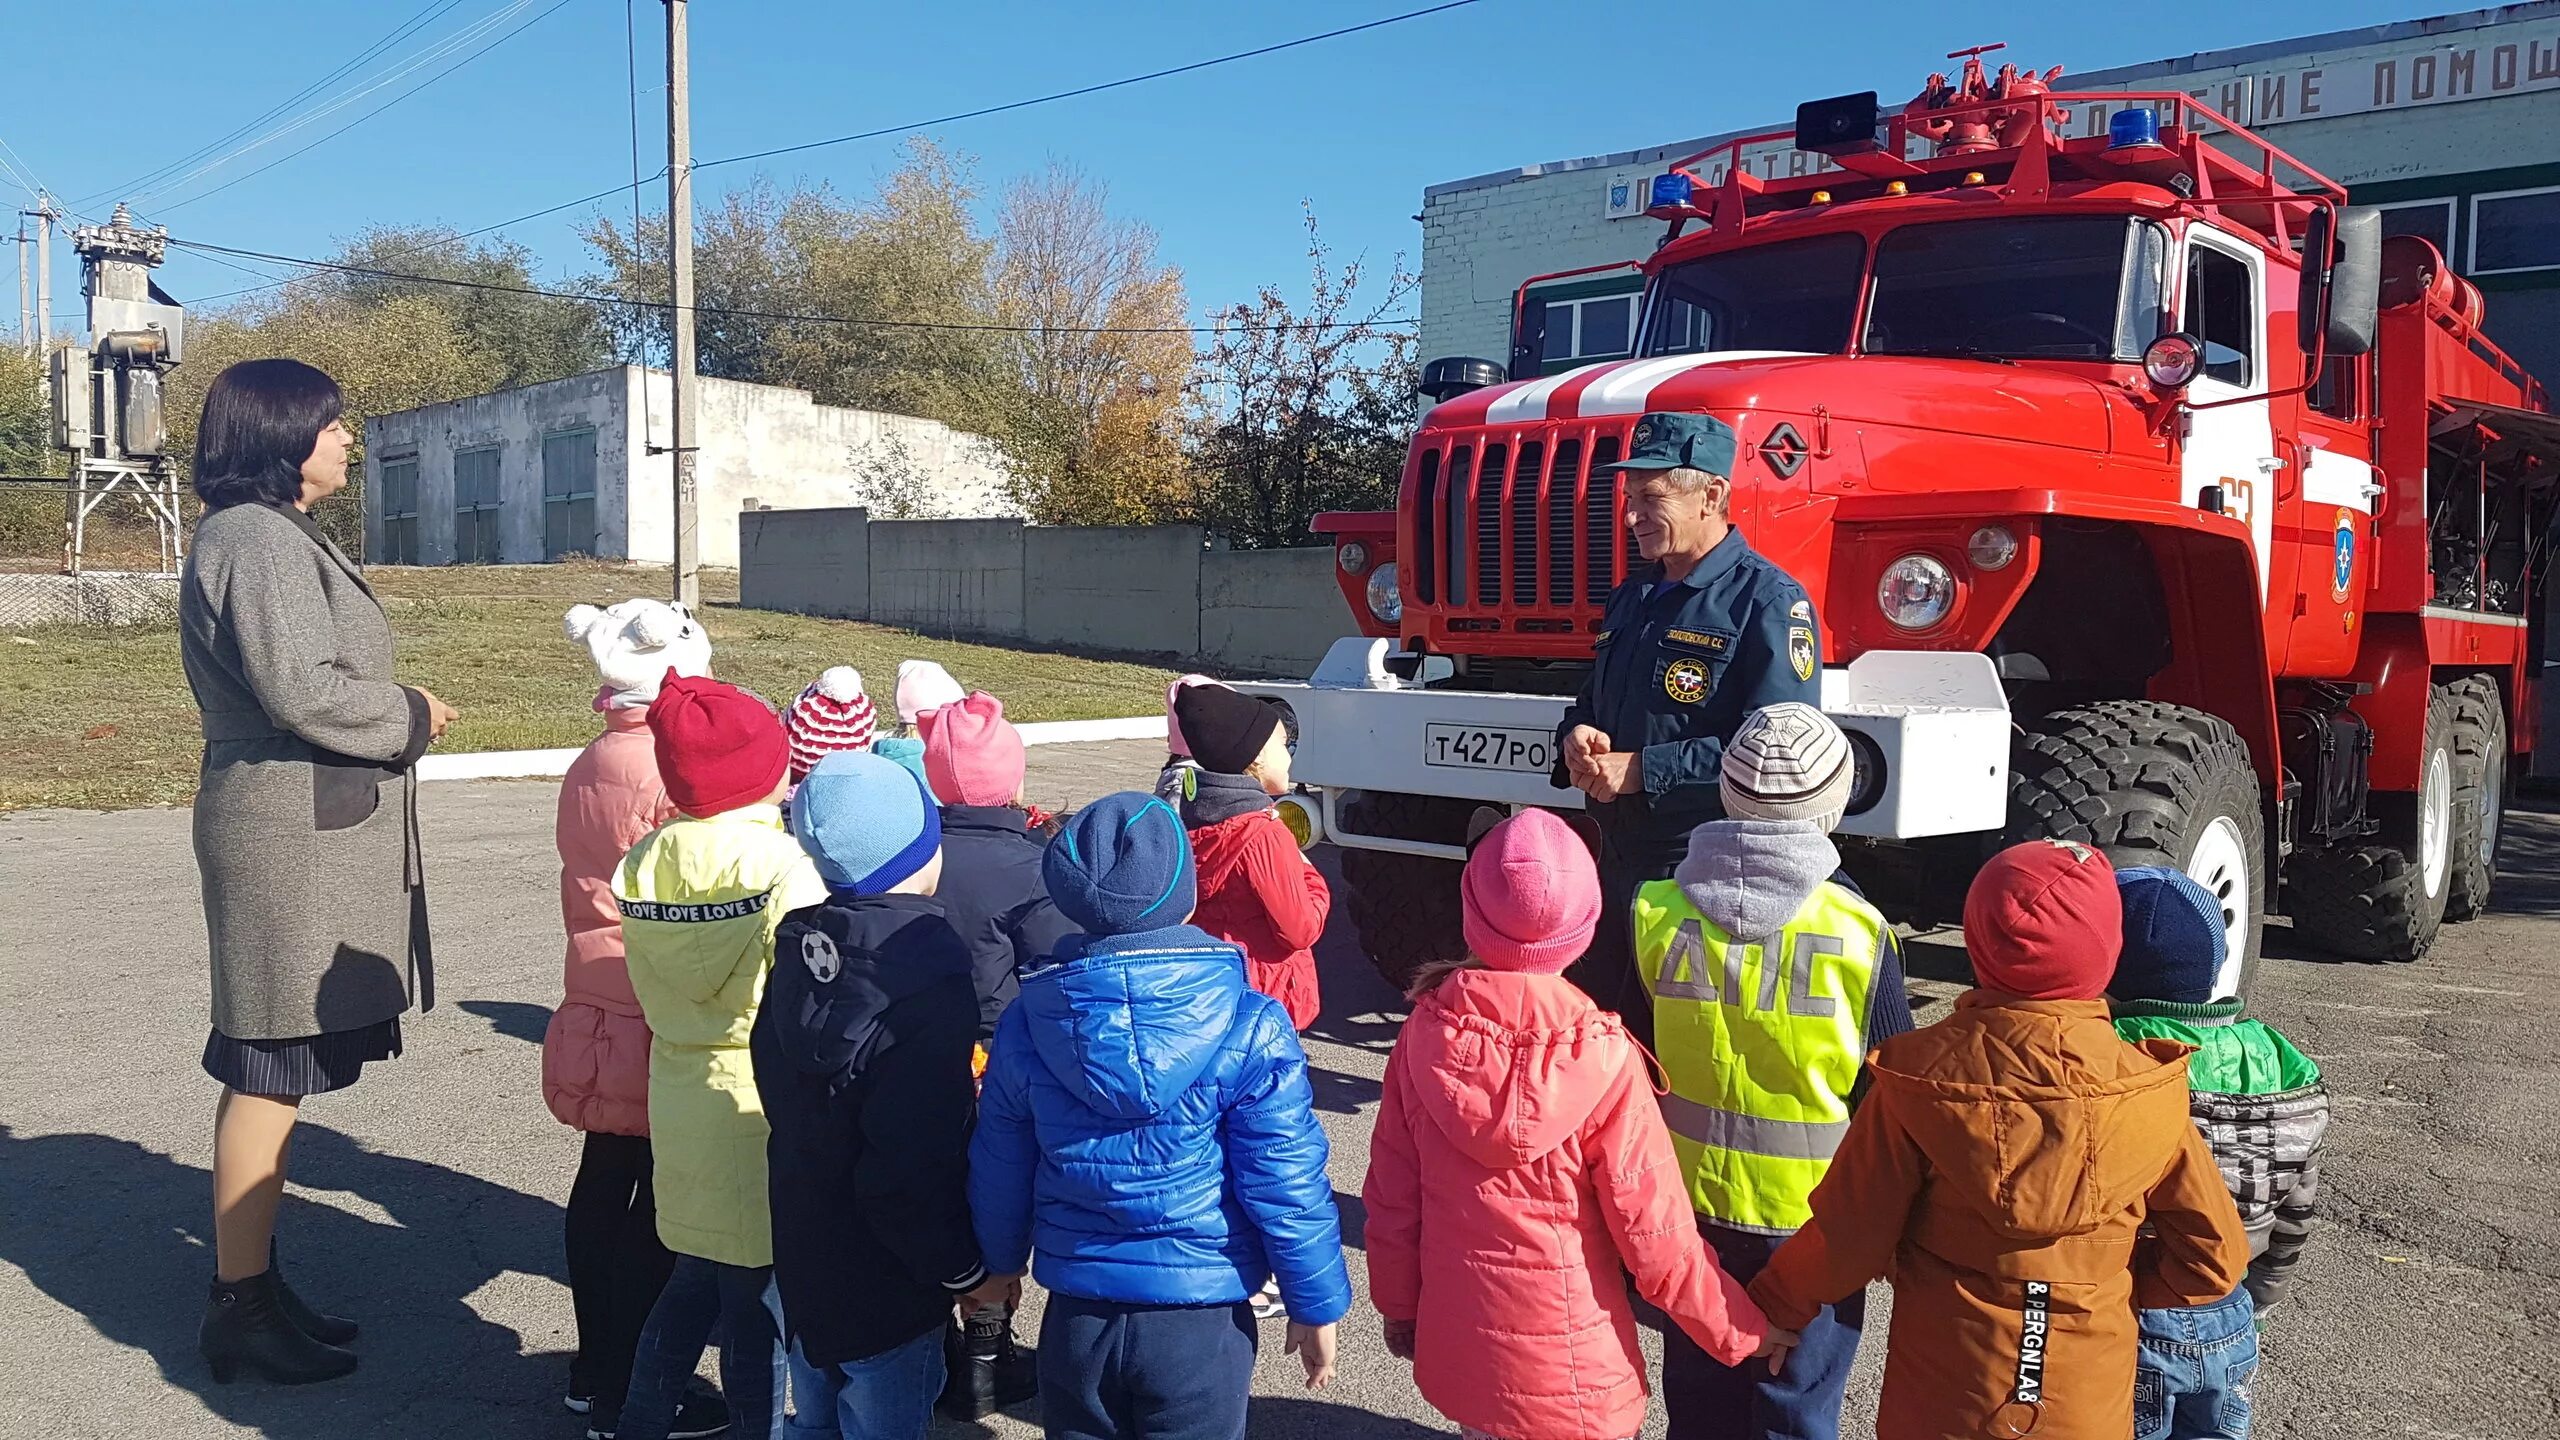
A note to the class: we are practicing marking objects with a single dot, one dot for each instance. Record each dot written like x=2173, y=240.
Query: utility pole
x=44, y=213
x=684, y=437
x=26, y=326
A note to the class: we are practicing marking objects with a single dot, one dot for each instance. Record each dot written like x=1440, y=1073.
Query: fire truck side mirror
x=2341, y=280
x=1453, y=375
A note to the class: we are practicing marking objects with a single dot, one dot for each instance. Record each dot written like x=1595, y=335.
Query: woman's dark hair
x=262, y=418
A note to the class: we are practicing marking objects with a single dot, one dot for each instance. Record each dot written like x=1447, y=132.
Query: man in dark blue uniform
x=1704, y=634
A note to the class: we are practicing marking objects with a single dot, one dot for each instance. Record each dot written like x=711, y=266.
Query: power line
x=411, y=94
x=434, y=11
x=22, y=172
x=1095, y=89
x=589, y=298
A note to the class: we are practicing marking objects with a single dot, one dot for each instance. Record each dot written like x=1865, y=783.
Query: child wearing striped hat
x=832, y=716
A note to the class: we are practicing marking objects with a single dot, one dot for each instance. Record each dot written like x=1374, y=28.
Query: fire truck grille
x=1518, y=523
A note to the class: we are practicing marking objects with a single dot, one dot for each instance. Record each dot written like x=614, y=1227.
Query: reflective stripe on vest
x=1761, y=1043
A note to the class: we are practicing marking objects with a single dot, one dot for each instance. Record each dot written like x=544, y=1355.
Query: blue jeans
x=888, y=1396
x=739, y=1301
x=1707, y=1400
x=2195, y=1369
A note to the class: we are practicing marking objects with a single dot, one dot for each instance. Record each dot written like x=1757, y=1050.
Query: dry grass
x=101, y=719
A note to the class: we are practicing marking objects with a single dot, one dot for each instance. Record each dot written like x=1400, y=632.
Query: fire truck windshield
x=2072, y=287
x=2064, y=287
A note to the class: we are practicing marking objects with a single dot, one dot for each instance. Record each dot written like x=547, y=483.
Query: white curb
x=526, y=764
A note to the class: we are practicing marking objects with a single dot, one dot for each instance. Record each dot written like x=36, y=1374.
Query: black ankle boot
x=988, y=1371
x=245, y=1325
x=327, y=1329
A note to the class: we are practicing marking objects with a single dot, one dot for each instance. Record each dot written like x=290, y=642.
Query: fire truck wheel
x=2480, y=778
x=1405, y=907
x=2385, y=902
x=2149, y=783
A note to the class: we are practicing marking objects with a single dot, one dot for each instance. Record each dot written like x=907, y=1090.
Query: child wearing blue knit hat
x=2262, y=1107
x=862, y=1056
x=1147, y=1144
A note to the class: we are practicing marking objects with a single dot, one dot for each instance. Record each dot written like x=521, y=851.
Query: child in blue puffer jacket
x=1148, y=1129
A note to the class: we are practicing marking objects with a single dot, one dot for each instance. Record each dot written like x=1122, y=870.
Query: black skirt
x=304, y=1065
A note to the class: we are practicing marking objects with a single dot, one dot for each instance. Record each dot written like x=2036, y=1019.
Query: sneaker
x=577, y=1404
x=1266, y=1303
x=700, y=1416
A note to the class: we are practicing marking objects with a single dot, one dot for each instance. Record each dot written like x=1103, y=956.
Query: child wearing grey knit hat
x=1732, y=996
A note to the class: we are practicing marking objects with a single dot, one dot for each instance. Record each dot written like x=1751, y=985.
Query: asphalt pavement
x=427, y=1200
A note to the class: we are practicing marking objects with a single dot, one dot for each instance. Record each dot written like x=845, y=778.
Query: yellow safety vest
x=1761, y=1042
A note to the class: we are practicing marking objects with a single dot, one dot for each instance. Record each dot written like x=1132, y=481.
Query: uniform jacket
x=1518, y=1163
x=992, y=893
x=1257, y=889
x=595, y=1053
x=1999, y=1171
x=862, y=1059
x=2264, y=1110
x=1147, y=1127
x=700, y=902
x=305, y=821
x=1675, y=668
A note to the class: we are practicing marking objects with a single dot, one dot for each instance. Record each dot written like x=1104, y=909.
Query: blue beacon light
x=2127, y=129
x=1670, y=189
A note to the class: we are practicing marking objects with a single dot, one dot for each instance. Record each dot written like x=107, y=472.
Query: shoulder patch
x=1801, y=610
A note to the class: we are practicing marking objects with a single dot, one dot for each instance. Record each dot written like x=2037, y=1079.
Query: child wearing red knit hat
x=701, y=899
x=2001, y=1170
x=1519, y=1161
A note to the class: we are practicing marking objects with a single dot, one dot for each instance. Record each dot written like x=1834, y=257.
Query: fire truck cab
x=2148, y=499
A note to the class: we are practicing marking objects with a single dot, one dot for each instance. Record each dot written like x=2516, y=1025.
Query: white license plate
x=1489, y=747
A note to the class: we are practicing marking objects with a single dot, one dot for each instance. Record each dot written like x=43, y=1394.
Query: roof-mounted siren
x=2134, y=129
x=1841, y=125
x=1673, y=196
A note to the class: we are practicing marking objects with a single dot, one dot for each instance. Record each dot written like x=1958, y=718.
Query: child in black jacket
x=862, y=1058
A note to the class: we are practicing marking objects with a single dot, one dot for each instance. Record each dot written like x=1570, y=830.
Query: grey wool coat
x=306, y=828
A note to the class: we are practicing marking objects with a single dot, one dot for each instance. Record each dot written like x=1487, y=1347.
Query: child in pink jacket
x=595, y=1055
x=1519, y=1162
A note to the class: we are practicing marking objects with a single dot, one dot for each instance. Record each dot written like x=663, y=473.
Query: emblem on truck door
x=2342, y=561
x=1785, y=451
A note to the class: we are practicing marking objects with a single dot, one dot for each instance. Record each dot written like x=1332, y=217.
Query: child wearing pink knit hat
x=1518, y=1157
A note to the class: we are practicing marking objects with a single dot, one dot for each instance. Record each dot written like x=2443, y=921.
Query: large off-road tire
x=1404, y=908
x=2480, y=784
x=2386, y=901
x=2149, y=783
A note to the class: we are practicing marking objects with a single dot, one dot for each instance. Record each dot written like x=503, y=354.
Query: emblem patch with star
x=1800, y=651
x=1685, y=681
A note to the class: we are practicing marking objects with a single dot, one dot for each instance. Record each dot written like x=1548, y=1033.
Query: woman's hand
x=439, y=714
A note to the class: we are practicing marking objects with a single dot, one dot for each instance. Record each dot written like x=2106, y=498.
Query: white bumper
x=1931, y=730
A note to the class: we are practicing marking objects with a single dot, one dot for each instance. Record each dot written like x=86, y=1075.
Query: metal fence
x=118, y=584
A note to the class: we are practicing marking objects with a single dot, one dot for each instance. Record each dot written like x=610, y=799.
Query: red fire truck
x=2150, y=499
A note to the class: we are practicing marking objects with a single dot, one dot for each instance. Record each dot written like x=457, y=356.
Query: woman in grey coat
x=306, y=830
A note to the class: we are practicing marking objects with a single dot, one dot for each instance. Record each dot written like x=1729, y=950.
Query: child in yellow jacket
x=701, y=897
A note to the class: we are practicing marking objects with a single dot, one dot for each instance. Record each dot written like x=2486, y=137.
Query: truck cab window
x=2222, y=312
x=2050, y=287
x=1794, y=295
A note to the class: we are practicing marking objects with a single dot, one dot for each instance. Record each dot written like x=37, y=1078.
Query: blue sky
x=1218, y=161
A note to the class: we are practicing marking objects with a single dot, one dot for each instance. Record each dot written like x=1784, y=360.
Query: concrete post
x=685, y=440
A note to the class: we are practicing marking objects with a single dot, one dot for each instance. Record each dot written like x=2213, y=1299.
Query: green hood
x=2233, y=1055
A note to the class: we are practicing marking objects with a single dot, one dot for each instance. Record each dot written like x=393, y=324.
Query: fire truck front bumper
x=1930, y=731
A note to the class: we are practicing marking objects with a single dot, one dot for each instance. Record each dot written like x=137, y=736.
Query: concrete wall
x=760, y=444
x=812, y=562
x=1131, y=588
x=1270, y=612
x=952, y=577
x=2377, y=127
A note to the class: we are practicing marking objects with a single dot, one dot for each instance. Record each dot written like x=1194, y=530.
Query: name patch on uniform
x=1800, y=651
x=1685, y=681
x=1702, y=639
x=706, y=914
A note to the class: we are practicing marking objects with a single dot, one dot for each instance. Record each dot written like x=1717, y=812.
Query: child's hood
x=2034, y=1115
x=1127, y=1023
x=1510, y=1066
x=1752, y=876
x=839, y=968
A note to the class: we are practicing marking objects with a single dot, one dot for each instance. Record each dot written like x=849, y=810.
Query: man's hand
x=1581, y=744
x=996, y=1291
x=1775, y=1345
x=439, y=714
x=1400, y=1339
x=1612, y=774
x=1313, y=1345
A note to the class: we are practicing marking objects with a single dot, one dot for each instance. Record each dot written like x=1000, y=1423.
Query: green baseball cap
x=1664, y=441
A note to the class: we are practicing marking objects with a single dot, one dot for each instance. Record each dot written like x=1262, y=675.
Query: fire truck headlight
x=1916, y=592
x=1992, y=547
x=1353, y=557
x=1384, y=602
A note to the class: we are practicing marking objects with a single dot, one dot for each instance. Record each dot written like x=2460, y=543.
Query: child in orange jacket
x=1519, y=1161
x=2001, y=1171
